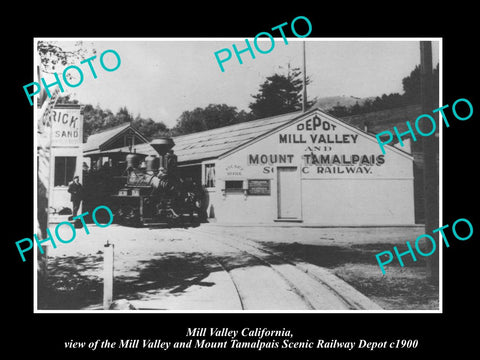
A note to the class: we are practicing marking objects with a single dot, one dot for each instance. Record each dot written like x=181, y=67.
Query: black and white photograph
x=231, y=179
x=222, y=180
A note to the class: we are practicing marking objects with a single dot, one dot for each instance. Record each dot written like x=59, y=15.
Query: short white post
x=107, y=275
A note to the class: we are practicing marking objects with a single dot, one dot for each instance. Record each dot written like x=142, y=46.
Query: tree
x=411, y=96
x=96, y=119
x=122, y=116
x=339, y=110
x=55, y=55
x=211, y=117
x=66, y=99
x=243, y=116
x=411, y=86
x=279, y=94
x=149, y=128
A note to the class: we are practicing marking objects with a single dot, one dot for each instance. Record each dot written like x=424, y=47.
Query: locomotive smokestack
x=162, y=145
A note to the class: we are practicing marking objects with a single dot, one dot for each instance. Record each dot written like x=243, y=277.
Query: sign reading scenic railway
x=319, y=170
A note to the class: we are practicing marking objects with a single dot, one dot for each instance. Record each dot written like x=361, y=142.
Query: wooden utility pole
x=430, y=158
x=304, y=94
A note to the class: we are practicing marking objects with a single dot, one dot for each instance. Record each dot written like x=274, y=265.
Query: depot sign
x=321, y=147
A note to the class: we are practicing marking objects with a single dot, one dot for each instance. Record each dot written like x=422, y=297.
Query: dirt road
x=195, y=269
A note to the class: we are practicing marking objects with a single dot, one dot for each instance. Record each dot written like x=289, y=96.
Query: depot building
x=300, y=167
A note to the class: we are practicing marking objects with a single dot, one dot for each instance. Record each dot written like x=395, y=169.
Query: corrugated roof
x=215, y=142
x=94, y=141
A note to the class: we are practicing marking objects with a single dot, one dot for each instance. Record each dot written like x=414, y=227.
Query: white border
x=440, y=60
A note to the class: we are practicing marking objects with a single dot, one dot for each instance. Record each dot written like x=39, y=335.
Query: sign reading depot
x=321, y=147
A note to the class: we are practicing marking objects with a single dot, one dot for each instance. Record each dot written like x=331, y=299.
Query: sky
x=161, y=78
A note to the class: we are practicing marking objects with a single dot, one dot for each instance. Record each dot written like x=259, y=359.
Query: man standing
x=76, y=191
x=170, y=162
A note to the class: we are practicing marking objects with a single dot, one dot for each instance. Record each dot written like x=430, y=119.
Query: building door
x=288, y=193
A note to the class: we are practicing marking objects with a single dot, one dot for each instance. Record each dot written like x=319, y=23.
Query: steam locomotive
x=152, y=194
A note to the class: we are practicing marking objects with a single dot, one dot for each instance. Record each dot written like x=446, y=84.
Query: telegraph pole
x=430, y=156
x=304, y=94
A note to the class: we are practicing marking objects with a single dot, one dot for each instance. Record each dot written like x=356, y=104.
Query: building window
x=129, y=140
x=209, y=175
x=233, y=186
x=64, y=170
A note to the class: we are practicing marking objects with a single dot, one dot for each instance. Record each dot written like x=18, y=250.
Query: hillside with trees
x=278, y=94
x=96, y=119
x=211, y=117
x=410, y=96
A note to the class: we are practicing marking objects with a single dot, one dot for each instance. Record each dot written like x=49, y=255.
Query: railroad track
x=304, y=286
x=229, y=269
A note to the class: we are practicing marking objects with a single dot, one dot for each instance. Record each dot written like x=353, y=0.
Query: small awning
x=141, y=149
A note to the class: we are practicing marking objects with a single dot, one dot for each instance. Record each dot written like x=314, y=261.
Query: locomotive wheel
x=128, y=215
